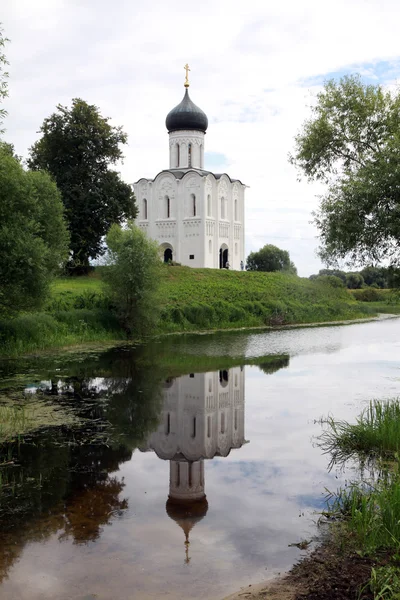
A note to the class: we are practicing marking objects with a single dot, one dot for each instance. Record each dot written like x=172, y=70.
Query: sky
x=256, y=67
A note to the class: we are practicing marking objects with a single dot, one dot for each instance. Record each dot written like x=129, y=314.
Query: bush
x=132, y=278
x=368, y=295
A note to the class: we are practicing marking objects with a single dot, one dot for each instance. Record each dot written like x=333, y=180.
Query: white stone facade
x=202, y=417
x=196, y=217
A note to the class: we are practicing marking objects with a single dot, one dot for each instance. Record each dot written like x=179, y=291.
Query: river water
x=177, y=470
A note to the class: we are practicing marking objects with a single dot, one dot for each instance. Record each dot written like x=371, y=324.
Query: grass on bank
x=78, y=310
x=375, y=433
x=370, y=512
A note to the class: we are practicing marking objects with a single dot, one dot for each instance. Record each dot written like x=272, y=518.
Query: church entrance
x=167, y=255
x=223, y=257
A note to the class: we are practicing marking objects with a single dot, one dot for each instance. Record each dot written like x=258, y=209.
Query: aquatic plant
x=375, y=433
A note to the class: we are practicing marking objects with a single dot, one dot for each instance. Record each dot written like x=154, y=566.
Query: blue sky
x=255, y=69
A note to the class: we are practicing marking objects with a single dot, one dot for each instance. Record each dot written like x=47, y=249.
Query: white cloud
x=248, y=63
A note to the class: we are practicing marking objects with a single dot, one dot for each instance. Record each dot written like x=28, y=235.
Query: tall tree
x=77, y=147
x=3, y=75
x=270, y=258
x=33, y=235
x=352, y=142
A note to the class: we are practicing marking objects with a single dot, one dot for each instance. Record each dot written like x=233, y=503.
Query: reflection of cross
x=186, y=67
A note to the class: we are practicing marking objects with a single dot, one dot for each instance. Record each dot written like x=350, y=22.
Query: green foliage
x=33, y=235
x=270, y=258
x=370, y=294
x=132, y=278
x=38, y=331
x=384, y=583
x=332, y=280
x=3, y=75
x=77, y=148
x=209, y=299
x=376, y=432
x=354, y=281
x=352, y=141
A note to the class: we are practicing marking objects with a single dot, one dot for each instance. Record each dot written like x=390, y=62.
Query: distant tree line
x=370, y=276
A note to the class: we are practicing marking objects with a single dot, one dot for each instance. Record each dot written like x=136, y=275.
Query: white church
x=202, y=417
x=196, y=217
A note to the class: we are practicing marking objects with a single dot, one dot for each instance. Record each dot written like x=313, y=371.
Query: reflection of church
x=203, y=417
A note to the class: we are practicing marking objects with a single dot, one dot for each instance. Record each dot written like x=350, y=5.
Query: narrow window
x=190, y=474
x=236, y=380
x=168, y=206
x=191, y=256
x=208, y=427
x=236, y=419
x=236, y=210
x=168, y=425
x=193, y=199
x=236, y=248
x=222, y=208
x=178, y=475
x=210, y=246
x=145, y=209
x=177, y=155
x=194, y=427
x=189, y=155
x=222, y=422
x=209, y=205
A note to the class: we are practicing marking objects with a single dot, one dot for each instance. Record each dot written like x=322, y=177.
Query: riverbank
x=359, y=555
x=328, y=573
x=190, y=300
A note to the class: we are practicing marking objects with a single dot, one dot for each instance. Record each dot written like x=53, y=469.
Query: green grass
x=39, y=331
x=191, y=300
x=370, y=512
x=375, y=433
x=195, y=299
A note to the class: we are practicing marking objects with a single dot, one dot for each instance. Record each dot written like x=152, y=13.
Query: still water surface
x=92, y=504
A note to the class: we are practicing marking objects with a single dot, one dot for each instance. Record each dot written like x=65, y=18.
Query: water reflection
x=202, y=417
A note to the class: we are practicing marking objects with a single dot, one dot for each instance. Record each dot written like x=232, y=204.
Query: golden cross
x=186, y=67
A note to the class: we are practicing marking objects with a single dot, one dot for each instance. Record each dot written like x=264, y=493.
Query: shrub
x=132, y=278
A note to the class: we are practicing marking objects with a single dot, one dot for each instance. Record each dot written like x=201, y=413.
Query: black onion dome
x=186, y=116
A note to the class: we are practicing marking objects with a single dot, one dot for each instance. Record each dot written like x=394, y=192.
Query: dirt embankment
x=326, y=574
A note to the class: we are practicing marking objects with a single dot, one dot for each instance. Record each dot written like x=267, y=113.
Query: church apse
x=202, y=417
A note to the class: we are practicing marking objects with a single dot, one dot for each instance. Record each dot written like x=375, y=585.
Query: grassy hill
x=78, y=310
x=209, y=298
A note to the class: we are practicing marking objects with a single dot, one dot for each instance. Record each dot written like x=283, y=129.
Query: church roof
x=186, y=116
x=179, y=173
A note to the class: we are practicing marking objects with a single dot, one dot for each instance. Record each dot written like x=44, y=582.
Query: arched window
x=236, y=248
x=208, y=427
x=210, y=246
x=189, y=155
x=167, y=207
x=168, y=425
x=177, y=155
x=236, y=209
x=209, y=205
x=201, y=157
x=210, y=386
x=193, y=202
x=236, y=419
x=144, y=213
x=178, y=475
x=223, y=208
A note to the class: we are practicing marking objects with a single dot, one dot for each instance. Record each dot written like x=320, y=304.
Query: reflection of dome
x=187, y=514
x=186, y=116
